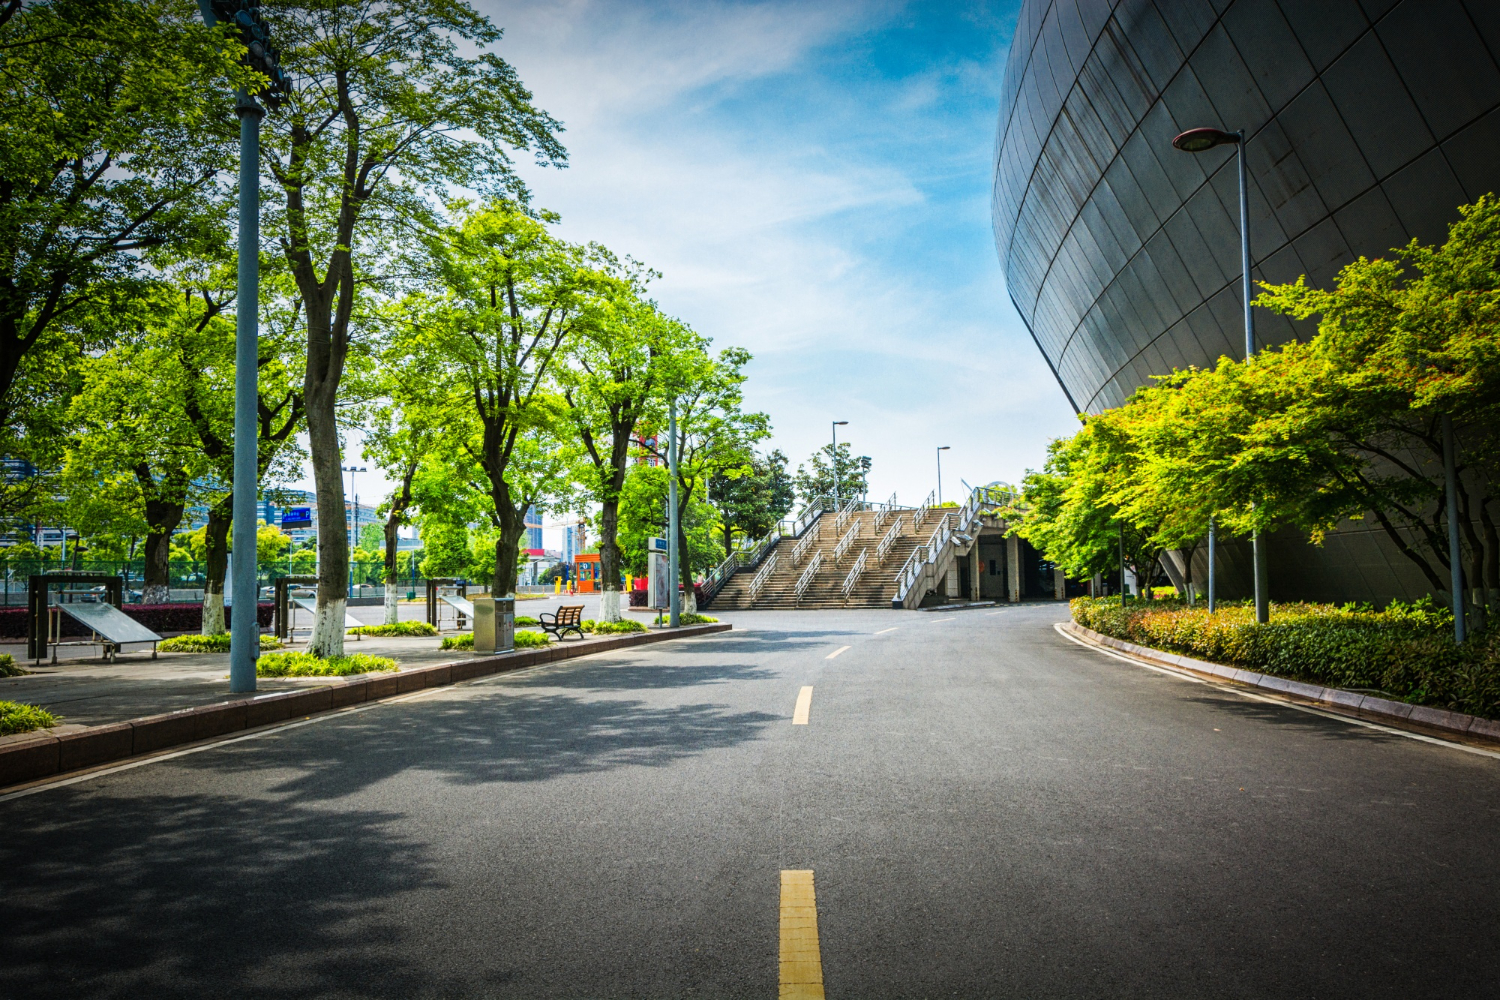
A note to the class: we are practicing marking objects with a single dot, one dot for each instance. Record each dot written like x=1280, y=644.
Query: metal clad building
x=1368, y=123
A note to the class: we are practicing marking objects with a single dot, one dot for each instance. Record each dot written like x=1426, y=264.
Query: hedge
x=1405, y=652
x=159, y=618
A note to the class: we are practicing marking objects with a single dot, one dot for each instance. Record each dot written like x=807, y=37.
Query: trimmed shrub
x=8, y=666
x=218, y=643
x=525, y=621
x=692, y=619
x=398, y=629
x=299, y=664
x=622, y=627
x=16, y=717
x=465, y=641
x=523, y=640
x=1405, y=652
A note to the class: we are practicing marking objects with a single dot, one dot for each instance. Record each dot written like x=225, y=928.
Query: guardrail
x=845, y=542
x=803, y=546
x=808, y=574
x=884, y=510
x=923, y=557
x=844, y=515
x=854, y=572
x=762, y=575
x=884, y=548
x=922, y=510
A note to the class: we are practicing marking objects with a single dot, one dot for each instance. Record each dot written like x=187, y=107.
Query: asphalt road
x=989, y=811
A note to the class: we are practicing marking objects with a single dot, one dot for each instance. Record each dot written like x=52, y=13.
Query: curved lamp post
x=1201, y=140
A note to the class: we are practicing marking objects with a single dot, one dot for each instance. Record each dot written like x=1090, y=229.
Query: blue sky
x=812, y=179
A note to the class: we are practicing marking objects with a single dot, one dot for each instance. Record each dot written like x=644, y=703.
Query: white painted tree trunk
x=156, y=593
x=327, y=637
x=609, y=606
x=392, y=609
x=213, y=613
x=689, y=601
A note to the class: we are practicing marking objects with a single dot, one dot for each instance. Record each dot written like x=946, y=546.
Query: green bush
x=622, y=627
x=398, y=629
x=1406, y=651
x=8, y=666
x=216, y=643
x=18, y=718
x=530, y=640
x=464, y=641
x=692, y=619
x=523, y=621
x=299, y=664
x=523, y=640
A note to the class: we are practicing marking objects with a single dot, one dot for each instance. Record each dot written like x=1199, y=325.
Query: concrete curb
x=1397, y=714
x=45, y=755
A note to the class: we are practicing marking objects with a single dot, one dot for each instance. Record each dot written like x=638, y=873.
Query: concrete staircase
x=875, y=587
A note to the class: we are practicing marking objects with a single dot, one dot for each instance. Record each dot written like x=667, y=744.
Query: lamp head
x=943, y=448
x=1198, y=140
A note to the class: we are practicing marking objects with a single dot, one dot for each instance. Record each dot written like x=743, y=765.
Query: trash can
x=494, y=624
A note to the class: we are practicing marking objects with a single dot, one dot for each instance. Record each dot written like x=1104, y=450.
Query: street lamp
x=354, y=532
x=1201, y=140
x=940, y=473
x=836, y=425
x=261, y=56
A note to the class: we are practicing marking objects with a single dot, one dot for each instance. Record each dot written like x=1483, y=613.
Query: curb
x=43, y=756
x=1398, y=714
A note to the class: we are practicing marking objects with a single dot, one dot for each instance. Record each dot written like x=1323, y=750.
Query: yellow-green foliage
x=694, y=619
x=216, y=643
x=16, y=717
x=621, y=627
x=8, y=666
x=523, y=640
x=530, y=640
x=464, y=641
x=398, y=629
x=299, y=664
x=1406, y=651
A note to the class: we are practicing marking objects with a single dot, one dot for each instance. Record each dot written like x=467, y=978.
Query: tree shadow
x=196, y=895
x=605, y=675
x=1287, y=717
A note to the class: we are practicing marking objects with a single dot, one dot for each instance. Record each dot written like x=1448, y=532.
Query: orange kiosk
x=586, y=573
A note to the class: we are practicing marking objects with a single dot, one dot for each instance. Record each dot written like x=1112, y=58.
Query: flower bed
x=1405, y=652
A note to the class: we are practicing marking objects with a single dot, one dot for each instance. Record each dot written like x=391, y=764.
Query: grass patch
x=692, y=619
x=398, y=629
x=8, y=667
x=465, y=641
x=299, y=664
x=1406, y=651
x=16, y=717
x=523, y=640
x=525, y=621
x=217, y=643
x=621, y=627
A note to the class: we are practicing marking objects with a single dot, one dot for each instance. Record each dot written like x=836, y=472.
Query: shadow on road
x=1287, y=717
x=606, y=675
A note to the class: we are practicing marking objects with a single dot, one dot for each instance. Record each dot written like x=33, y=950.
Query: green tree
x=815, y=480
x=752, y=499
x=392, y=102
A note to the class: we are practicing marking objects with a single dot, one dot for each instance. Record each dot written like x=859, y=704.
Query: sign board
x=656, y=545
x=658, y=581
x=296, y=517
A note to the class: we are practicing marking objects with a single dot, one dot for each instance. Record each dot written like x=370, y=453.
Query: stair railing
x=845, y=542
x=808, y=574
x=884, y=548
x=844, y=515
x=926, y=506
x=761, y=576
x=854, y=572
x=884, y=510
x=802, y=546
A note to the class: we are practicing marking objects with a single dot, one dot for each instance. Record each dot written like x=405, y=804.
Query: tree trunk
x=327, y=637
x=216, y=544
x=392, y=570
x=609, y=560
x=162, y=517
x=507, y=551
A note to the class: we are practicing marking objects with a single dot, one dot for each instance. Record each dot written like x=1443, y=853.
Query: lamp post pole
x=353, y=517
x=674, y=600
x=836, y=425
x=1200, y=140
x=1455, y=552
x=940, y=473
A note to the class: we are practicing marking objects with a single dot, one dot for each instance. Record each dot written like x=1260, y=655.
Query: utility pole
x=836, y=425
x=940, y=473
x=674, y=599
x=1211, y=597
x=1455, y=552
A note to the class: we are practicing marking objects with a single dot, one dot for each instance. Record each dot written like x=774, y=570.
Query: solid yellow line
x=836, y=652
x=804, y=706
x=801, y=958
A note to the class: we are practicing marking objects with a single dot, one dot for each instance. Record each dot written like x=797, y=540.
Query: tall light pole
x=836, y=425
x=674, y=600
x=354, y=530
x=261, y=55
x=940, y=473
x=1200, y=140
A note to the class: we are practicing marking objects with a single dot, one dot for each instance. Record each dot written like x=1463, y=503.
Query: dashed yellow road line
x=836, y=652
x=885, y=630
x=804, y=706
x=801, y=958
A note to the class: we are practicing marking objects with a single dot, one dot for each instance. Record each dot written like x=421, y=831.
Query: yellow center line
x=804, y=706
x=836, y=652
x=885, y=630
x=801, y=958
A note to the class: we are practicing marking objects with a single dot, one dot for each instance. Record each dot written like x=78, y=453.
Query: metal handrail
x=884, y=548
x=844, y=515
x=858, y=568
x=759, y=582
x=845, y=542
x=884, y=510
x=808, y=574
x=926, y=506
x=803, y=546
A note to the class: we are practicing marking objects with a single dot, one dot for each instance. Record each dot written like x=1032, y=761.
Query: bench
x=569, y=618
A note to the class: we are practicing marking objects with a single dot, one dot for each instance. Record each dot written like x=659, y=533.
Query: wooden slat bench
x=569, y=618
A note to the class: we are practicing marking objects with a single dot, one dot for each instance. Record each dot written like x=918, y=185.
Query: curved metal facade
x=1368, y=123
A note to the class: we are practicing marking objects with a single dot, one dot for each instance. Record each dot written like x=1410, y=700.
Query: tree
x=113, y=125
x=513, y=295
x=619, y=363
x=818, y=482
x=643, y=516
x=752, y=500
x=387, y=107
